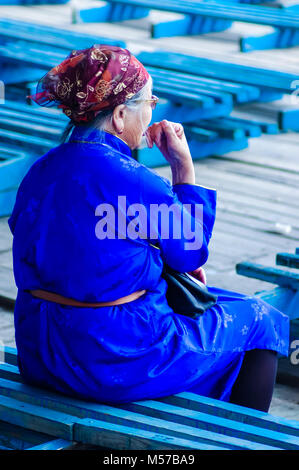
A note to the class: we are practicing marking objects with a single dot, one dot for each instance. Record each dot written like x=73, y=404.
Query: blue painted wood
x=212, y=68
x=202, y=135
x=212, y=423
x=240, y=93
x=224, y=128
x=117, y=416
x=36, y=418
x=292, y=309
x=53, y=115
x=7, y=201
x=92, y=15
x=185, y=420
x=40, y=120
x=188, y=400
x=34, y=143
x=110, y=13
x=179, y=27
x=250, y=129
x=13, y=29
x=56, y=444
x=18, y=43
x=219, y=146
x=114, y=415
x=276, y=40
x=287, y=259
x=10, y=372
x=179, y=112
x=268, y=94
x=116, y=436
x=280, y=298
x=288, y=119
x=33, y=2
x=186, y=97
x=12, y=72
x=268, y=274
x=188, y=25
x=285, y=297
x=31, y=128
x=8, y=355
x=18, y=438
x=99, y=432
x=220, y=10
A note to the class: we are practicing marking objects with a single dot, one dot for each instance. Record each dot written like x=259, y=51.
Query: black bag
x=185, y=295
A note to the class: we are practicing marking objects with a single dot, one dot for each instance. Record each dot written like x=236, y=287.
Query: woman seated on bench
x=91, y=315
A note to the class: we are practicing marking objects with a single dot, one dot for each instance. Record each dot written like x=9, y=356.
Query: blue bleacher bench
x=35, y=33
x=230, y=70
x=39, y=47
x=285, y=297
x=204, y=17
x=26, y=133
x=200, y=93
x=33, y=2
x=182, y=421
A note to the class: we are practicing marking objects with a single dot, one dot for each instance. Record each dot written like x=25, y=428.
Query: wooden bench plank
x=212, y=423
x=242, y=93
x=91, y=431
x=8, y=355
x=189, y=400
x=10, y=372
x=287, y=259
x=106, y=413
x=235, y=12
x=52, y=36
x=56, y=444
x=18, y=438
x=273, y=275
x=226, y=70
x=120, y=437
x=150, y=425
x=36, y=418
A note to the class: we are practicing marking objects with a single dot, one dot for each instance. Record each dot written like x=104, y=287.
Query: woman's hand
x=199, y=274
x=170, y=140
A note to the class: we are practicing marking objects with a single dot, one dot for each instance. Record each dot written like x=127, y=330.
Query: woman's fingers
x=199, y=274
x=156, y=131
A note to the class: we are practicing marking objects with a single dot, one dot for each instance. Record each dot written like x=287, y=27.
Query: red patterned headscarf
x=90, y=80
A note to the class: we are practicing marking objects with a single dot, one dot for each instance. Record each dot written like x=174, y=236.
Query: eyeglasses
x=154, y=100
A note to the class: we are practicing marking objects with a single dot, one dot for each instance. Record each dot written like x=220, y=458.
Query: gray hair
x=105, y=116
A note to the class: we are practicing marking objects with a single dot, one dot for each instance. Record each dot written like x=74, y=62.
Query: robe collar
x=85, y=135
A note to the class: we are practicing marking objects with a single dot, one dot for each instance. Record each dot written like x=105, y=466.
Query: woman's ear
x=118, y=118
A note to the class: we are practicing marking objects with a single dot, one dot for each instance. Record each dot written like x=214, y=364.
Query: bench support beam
x=189, y=25
x=280, y=38
x=108, y=13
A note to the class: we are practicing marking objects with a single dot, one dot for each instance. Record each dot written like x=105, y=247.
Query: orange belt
x=43, y=294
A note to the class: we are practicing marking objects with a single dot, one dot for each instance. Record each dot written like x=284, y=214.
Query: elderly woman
x=91, y=315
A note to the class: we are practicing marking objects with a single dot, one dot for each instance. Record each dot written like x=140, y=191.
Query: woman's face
x=135, y=121
x=138, y=123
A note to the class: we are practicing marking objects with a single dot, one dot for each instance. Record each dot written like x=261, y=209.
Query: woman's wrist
x=183, y=172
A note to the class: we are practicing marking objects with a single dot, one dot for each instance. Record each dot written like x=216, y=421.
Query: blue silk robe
x=136, y=350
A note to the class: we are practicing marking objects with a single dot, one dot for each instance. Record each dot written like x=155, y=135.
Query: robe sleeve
x=194, y=211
